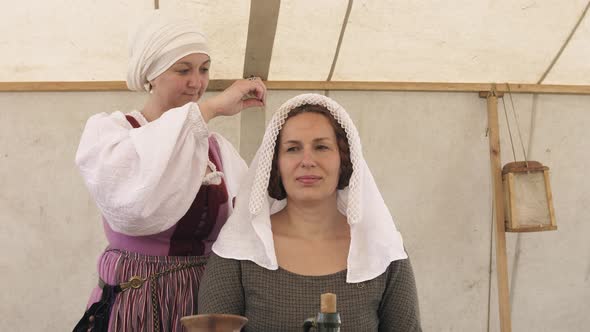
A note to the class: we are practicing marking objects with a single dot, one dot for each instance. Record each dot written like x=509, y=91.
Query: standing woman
x=163, y=183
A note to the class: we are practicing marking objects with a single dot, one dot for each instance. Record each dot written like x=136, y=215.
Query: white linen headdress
x=158, y=42
x=375, y=241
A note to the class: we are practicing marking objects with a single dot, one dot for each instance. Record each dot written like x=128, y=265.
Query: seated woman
x=309, y=219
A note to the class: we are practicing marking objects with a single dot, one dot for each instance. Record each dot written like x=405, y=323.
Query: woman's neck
x=153, y=109
x=312, y=222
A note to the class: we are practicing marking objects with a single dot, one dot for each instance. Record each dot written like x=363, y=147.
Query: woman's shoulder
x=400, y=266
x=116, y=118
x=245, y=267
x=400, y=272
x=222, y=263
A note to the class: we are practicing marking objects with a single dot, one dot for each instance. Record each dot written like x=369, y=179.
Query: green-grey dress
x=281, y=300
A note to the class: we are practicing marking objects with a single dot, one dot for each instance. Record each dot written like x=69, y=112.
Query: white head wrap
x=157, y=44
x=375, y=241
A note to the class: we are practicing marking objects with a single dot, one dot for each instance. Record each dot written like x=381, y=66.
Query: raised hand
x=241, y=94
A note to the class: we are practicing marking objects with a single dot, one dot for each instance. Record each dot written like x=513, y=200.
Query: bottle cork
x=328, y=303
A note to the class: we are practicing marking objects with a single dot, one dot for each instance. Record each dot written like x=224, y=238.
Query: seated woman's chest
x=281, y=301
x=312, y=258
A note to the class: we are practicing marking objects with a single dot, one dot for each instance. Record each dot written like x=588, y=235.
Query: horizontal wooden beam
x=218, y=85
x=214, y=85
x=376, y=86
x=428, y=87
x=63, y=86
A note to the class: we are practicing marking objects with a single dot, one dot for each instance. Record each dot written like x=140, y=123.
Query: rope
x=509, y=131
x=533, y=124
x=517, y=125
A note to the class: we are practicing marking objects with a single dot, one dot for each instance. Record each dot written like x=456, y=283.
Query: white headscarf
x=157, y=44
x=375, y=241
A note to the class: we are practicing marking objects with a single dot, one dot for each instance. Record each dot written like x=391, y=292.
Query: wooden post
x=496, y=166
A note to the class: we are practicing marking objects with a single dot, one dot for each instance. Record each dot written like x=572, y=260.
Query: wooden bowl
x=214, y=323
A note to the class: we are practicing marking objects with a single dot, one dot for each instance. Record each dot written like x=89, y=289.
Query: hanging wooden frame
x=528, y=198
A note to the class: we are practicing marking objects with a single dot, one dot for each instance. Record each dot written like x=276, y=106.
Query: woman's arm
x=221, y=290
x=399, y=310
x=144, y=180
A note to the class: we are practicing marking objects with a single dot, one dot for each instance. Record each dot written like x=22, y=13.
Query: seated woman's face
x=309, y=159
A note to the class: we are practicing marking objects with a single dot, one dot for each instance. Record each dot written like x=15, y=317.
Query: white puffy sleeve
x=145, y=179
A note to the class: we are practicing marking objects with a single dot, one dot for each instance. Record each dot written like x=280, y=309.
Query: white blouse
x=145, y=179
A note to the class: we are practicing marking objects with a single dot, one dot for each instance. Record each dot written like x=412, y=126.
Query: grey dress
x=280, y=300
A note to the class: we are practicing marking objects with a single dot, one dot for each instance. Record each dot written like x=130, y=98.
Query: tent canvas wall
x=428, y=150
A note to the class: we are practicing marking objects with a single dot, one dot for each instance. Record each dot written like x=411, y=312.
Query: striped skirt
x=169, y=292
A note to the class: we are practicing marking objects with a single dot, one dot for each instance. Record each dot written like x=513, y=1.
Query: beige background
x=427, y=151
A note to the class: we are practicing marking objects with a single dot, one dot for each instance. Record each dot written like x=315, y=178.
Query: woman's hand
x=241, y=94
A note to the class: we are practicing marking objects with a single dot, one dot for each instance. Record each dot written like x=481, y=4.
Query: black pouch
x=96, y=318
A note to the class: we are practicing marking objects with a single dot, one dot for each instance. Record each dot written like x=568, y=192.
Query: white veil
x=375, y=241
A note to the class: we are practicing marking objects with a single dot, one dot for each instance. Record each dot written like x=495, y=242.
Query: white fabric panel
x=226, y=25
x=573, y=66
x=306, y=39
x=422, y=40
x=66, y=40
x=462, y=41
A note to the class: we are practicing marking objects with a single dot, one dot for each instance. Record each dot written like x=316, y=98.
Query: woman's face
x=185, y=81
x=309, y=159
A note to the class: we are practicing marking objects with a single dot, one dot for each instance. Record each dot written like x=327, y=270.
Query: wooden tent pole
x=496, y=167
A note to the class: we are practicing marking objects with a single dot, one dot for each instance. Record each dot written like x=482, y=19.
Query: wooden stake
x=501, y=259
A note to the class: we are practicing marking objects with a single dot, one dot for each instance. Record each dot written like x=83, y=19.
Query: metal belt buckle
x=134, y=282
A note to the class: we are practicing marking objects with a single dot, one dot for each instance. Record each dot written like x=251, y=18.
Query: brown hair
x=276, y=189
